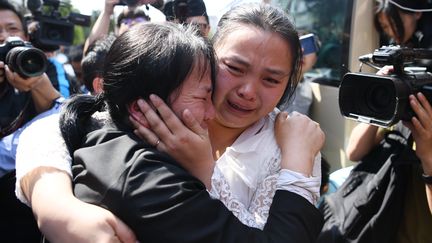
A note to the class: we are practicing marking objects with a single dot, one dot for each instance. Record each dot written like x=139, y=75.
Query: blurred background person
x=415, y=219
x=129, y=17
x=131, y=14
x=21, y=100
x=56, y=72
x=303, y=96
x=406, y=23
x=92, y=64
x=192, y=12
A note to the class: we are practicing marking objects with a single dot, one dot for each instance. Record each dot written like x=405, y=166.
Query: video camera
x=55, y=23
x=22, y=58
x=383, y=100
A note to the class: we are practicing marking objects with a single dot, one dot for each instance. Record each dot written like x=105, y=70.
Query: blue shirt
x=9, y=144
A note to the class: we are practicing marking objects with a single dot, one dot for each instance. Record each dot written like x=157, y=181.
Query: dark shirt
x=16, y=108
x=162, y=202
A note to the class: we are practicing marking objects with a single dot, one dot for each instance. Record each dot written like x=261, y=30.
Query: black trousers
x=17, y=223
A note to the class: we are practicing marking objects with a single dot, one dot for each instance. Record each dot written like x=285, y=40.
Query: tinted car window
x=330, y=21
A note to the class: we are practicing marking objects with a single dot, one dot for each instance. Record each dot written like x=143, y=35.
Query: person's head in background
x=75, y=54
x=402, y=20
x=259, y=58
x=93, y=62
x=189, y=12
x=129, y=17
x=11, y=22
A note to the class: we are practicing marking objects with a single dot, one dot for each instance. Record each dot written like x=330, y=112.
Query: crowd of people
x=185, y=140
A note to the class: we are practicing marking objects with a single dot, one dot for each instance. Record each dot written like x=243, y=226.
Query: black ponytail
x=74, y=118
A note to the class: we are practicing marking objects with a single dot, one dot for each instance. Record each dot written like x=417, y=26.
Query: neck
x=222, y=137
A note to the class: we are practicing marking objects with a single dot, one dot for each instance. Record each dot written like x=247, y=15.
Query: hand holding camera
x=383, y=100
x=22, y=58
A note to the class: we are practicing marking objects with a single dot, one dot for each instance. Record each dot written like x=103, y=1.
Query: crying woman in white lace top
x=259, y=63
x=257, y=149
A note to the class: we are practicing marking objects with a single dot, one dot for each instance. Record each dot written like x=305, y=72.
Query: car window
x=330, y=21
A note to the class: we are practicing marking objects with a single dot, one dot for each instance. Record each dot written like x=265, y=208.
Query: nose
x=3, y=36
x=247, y=91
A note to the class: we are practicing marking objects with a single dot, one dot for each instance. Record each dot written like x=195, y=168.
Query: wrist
x=299, y=164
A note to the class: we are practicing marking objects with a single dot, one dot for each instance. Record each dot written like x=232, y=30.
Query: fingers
x=172, y=121
x=143, y=132
x=282, y=115
x=386, y=70
x=156, y=123
x=425, y=104
x=2, y=72
x=423, y=111
x=123, y=232
x=20, y=83
x=190, y=121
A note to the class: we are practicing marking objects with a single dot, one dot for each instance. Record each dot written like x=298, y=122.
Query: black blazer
x=162, y=202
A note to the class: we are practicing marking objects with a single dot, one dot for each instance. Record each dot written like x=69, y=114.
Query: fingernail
x=153, y=97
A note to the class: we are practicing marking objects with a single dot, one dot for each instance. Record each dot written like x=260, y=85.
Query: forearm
x=44, y=94
x=41, y=177
x=429, y=196
x=427, y=170
x=363, y=138
x=49, y=191
x=99, y=30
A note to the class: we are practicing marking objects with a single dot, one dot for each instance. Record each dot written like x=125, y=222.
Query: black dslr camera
x=383, y=100
x=22, y=58
x=55, y=23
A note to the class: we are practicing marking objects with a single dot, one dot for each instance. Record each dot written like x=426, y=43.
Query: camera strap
x=20, y=118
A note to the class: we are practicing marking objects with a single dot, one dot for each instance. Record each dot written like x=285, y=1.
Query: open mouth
x=239, y=108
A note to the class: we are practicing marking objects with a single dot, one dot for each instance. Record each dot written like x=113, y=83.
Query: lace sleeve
x=41, y=144
x=307, y=187
x=221, y=191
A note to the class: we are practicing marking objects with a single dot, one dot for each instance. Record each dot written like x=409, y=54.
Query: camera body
x=22, y=57
x=383, y=100
x=55, y=23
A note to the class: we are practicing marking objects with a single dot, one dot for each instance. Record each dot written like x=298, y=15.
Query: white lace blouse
x=245, y=177
x=248, y=174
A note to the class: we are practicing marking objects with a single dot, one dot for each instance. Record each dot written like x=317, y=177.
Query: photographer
x=416, y=219
x=21, y=99
x=102, y=24
x=191, y=12
x=405, y=23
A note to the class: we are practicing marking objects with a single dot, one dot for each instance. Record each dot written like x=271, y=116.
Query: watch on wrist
x=427, y=179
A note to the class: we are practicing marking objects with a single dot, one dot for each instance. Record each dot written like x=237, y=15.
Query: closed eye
x=272, y=81
x=234, y=69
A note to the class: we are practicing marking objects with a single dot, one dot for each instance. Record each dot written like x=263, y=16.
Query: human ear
x=97, y=85
x=136, y=113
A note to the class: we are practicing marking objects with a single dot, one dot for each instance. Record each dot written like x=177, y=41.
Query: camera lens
x=379, y=98
x=54, y=34
x=27, y=61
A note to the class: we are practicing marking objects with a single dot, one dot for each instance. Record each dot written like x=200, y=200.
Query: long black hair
x=149, y=58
